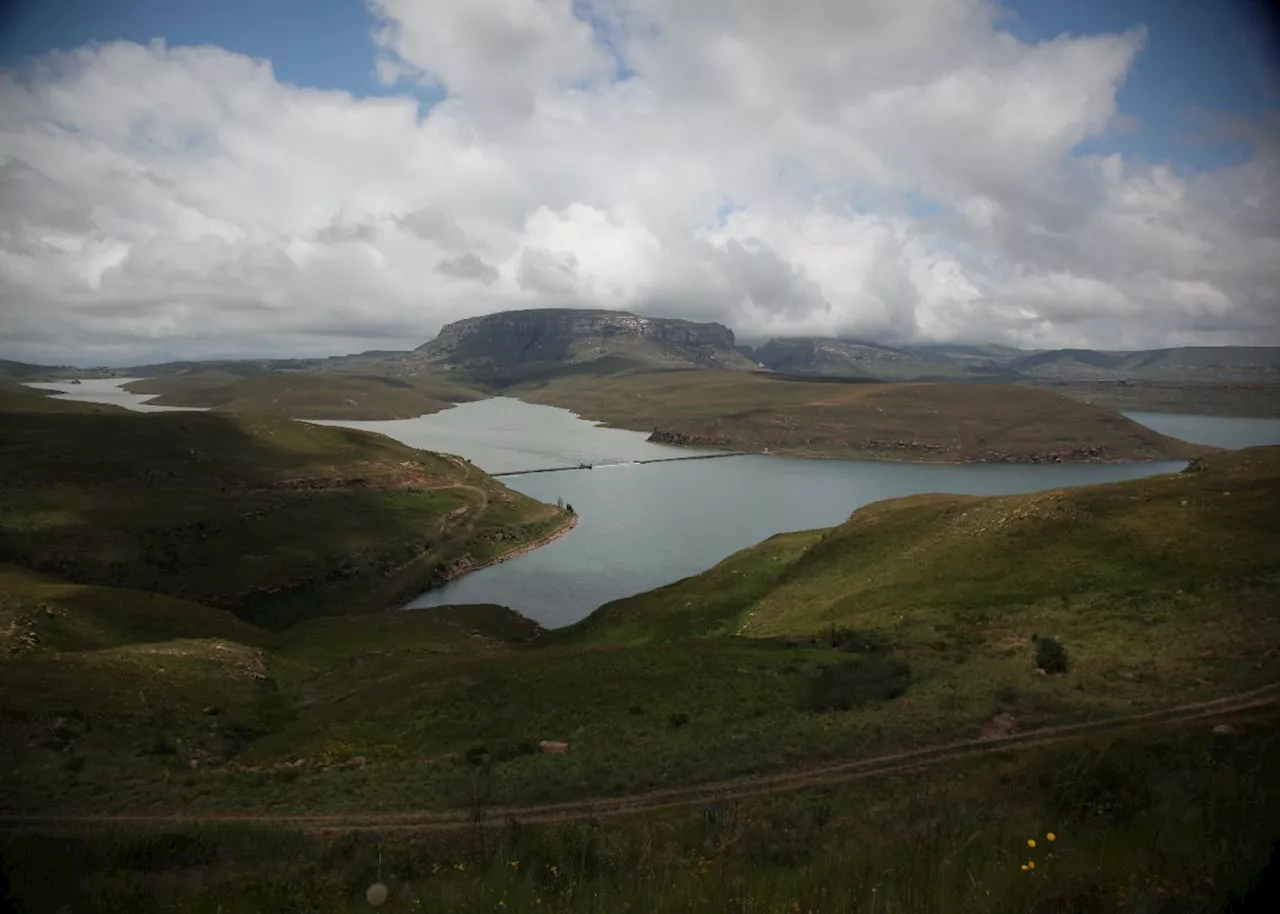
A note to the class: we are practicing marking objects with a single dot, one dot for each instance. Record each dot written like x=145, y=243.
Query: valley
x=747, y=667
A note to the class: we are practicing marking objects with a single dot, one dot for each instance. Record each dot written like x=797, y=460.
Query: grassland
x=273, y=519
x=771, y=678
x=952, y=423
x=1168, y=820
x=1258, y=399
x=329, y=395
x=1163, y=591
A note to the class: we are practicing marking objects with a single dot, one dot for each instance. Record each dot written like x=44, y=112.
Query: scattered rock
x=1225, y=730
x=1040, y=672
x=553, y=747
x=357, y=761
x=1002, y=724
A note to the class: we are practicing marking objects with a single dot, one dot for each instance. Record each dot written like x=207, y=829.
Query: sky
x=314, y=177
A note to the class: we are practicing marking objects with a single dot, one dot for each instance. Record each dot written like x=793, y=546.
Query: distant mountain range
x=848, y=358
x=510, y=347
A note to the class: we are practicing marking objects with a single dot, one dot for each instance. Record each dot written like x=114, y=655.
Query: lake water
x=106, y=390
x=1220, y=431
x=503, y=434
x=643, y=526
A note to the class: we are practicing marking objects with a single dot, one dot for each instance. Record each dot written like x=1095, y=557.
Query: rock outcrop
x=515, y=345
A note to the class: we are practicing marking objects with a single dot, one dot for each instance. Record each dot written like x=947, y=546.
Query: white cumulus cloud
x=902, y=171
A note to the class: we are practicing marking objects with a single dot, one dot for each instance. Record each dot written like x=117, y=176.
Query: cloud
x=468, y=266
x=870, y=168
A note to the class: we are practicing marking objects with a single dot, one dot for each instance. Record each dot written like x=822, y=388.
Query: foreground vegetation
x=1167, y=820
x=948, y=423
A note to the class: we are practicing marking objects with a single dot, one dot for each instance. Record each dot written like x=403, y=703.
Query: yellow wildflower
x=1023, y=867
x=1031, y=842
x=1031, y=864
x=1051, y=837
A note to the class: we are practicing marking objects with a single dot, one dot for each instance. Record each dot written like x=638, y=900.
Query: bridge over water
x=624, y=463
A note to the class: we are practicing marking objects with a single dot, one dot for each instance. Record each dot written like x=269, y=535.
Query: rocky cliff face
x=514, y=345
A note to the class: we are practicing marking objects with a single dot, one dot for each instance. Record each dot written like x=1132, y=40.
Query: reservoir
x=644, y=526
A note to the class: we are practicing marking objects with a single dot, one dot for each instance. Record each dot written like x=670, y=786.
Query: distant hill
x=514, y=346
x=855, y=358
x=1186, y=364
x=772, y=413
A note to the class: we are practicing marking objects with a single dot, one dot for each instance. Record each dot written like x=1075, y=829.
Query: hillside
x=308, y=395
x=273, y=519
x=1188, y=364
x=942, y=423
x=822, y=357
x=1105, y=562
x=871, y=685
x=513, y=346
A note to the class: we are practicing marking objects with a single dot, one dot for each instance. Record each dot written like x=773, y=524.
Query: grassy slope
x=1159, y=602
x=932, y=422
x=274, y=519
x=1163, y=590
x=312, y=396
x=1158, y=822
x=1157, y=556
x=1256, y=399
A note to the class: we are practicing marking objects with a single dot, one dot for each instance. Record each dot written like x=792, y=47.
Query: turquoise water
x=644, y=526
x=1220, y=431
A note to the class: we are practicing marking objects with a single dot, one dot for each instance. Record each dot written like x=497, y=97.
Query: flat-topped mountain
x=517, y=345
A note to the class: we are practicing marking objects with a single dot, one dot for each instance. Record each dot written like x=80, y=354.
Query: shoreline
x=518, y=551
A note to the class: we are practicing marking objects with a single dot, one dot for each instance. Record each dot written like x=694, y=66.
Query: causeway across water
x=626, y=463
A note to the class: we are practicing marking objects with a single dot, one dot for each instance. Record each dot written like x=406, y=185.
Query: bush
x=1051, y=656
x=500, y=752
x=159, y=745
x=859, y=640
x=677, y=719
x=856, y=682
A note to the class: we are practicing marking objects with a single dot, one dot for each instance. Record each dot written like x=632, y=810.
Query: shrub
x=856, y=682
x=166, y=851
x=677, y=719
x=500, y=752
x=859, y=640
x=159, y=745
x=1051, y=656
x=1006, y=694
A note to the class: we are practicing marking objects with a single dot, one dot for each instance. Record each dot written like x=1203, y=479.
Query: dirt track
x=700, y=794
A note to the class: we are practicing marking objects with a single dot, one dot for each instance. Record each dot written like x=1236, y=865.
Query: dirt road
x=699, y=794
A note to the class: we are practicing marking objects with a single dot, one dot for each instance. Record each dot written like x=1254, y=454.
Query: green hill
x=273, y=519
x=1080, y=558
x=767, y=413
x=873, y=685
x=308, y=396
